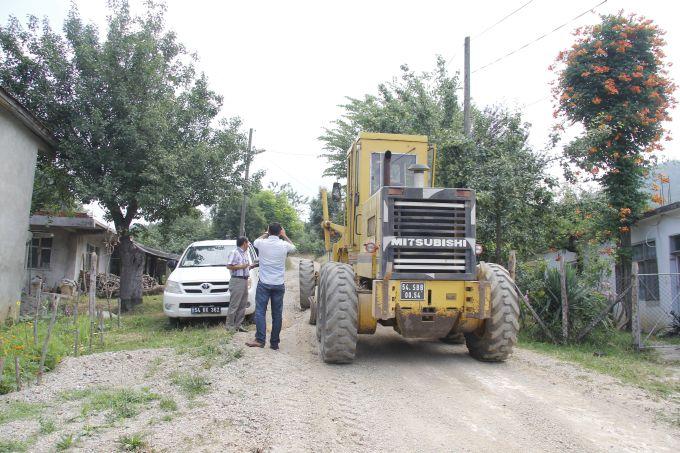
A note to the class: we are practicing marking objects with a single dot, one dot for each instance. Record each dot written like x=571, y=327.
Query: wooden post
x=244, y=201
x=565, y=300
x=46, y=343
x=634, y=312
x=76, y=340
x=38, y=299
x=512, y=264
x=467, y=122
x=92, y=295
x=17, y=372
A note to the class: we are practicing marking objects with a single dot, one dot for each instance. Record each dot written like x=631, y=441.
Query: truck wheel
x=495, y=342
x=320, y=298
x=340, y=315
x=453, y=338
x=306, y=275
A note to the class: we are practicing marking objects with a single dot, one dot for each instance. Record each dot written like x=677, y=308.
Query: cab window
x=400, y=176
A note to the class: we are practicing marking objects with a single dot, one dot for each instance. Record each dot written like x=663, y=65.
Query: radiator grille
x=429, y=219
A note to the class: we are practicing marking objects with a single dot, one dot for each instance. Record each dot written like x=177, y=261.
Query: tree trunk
x=624, y=272
x=499, y=239
x=132, y=267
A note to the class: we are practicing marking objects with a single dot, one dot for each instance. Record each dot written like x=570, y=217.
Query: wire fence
x=658, y=308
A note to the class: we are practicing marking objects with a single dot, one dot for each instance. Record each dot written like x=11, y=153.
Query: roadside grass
x=615, y=356
x=47, y=425
x=12, y=446
x=191, y=384
x=168, y=404
x=19, y=410
x=117, y=403
x=65, y=442
x=144, y=327
x=133, y=442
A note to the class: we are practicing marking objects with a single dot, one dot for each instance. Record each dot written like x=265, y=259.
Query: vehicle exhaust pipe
x=387, y=168
x=419, y=174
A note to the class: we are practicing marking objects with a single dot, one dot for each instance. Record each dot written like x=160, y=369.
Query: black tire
x=453, y=338
x=175, y=323
x=306, y=276
x=320, y=296
x=340, y=320
x=500, y=330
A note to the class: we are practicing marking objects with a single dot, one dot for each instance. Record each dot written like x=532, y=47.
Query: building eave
x=28, y=119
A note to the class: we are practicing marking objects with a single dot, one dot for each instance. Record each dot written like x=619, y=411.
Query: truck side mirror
x=336, y=193
x=172, y=264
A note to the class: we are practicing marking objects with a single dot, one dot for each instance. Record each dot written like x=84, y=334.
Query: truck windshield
x=207, y=255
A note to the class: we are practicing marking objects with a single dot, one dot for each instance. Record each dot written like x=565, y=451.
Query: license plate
x=412, y=291
x=203, y=309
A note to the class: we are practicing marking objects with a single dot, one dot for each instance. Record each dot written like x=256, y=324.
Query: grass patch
x=168, y=405
x=19, y=410
x=191, y=384
x=144, y=327
x=12, y=446
x=47, y=426
x=615, y=356
x=133, y=442
x=119, y=403
x=65, y=442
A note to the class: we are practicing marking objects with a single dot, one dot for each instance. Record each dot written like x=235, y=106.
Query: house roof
x=661, y=210
x=11, y=104
x=79, y=221
x=155, y=252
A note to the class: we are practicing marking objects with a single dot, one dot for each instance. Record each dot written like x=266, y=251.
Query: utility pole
x=242, y=227
x=467, y=125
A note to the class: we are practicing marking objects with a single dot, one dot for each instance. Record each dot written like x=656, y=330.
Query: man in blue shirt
x=273, y=248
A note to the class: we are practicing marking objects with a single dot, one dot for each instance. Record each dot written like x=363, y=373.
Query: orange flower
x=655, y=186
x=625, y=78
x=600, y=69
x=656, y=198
x=635, y=89
x=596, y=100
x=592, y=150
x=624, y=212
x=601, y=52
x=624, y=229
x=585, y=74
x=637, y=75
x=610, y=86
x=665, y=180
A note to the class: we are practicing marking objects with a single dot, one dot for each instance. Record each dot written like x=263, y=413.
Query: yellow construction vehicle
x=406, y=258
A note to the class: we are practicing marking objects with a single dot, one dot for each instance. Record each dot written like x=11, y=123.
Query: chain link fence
x=658, y=298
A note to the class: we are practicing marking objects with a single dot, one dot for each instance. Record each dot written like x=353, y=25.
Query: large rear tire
x=500, y=330
x=307, y=282
x=340, y=315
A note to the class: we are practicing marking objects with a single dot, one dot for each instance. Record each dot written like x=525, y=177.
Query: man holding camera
x=273, y=248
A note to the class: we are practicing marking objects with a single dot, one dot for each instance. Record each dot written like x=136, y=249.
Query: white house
x=22, y=137
x=61, y=246
x=656, y=249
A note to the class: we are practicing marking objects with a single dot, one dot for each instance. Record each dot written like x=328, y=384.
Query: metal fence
x=658, y=298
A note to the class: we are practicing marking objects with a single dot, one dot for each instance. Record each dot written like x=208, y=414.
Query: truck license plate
x=412, y=291
x=203, y=309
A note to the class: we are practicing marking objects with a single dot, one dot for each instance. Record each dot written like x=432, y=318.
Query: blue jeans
x=263, y=294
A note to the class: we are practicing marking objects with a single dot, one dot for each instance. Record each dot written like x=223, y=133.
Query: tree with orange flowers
x=613, y=81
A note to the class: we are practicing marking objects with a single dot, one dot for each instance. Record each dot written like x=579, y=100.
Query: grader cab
x=406, y=258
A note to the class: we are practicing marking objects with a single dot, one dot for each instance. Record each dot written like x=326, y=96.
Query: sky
x=284, y=67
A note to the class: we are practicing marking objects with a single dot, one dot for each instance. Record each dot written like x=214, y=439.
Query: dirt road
x=399, y=395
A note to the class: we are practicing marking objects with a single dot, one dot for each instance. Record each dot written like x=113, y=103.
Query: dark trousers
x=263, y=295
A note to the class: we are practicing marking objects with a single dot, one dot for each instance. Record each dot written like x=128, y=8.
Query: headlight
x=172, y=286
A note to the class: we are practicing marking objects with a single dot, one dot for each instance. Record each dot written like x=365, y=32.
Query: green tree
x=613, y=81
x=176, y=234
x=132, y=116
x=423, y=103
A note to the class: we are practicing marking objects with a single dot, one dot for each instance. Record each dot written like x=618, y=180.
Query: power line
x=502, y=19
x=591, y=9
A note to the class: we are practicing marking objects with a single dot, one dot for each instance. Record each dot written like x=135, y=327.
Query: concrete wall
x=18, y=153
x=660, y=228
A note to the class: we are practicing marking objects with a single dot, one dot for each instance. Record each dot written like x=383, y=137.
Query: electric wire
x=497, y=60
x=502, y=19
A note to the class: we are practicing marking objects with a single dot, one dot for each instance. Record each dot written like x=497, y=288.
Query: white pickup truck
x=199, y=284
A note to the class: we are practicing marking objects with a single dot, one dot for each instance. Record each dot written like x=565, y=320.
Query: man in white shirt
x=273, y=248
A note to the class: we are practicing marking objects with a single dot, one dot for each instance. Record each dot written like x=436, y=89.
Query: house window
x=40, y=253
x=675, y=245
x=645, y=255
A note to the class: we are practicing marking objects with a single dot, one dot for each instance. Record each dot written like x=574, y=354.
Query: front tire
x=307, y=282
x=339, y=310
x=500, y=330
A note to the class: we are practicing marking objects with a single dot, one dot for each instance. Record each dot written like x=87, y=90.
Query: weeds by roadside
x=191, y=384
x=133, y=442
